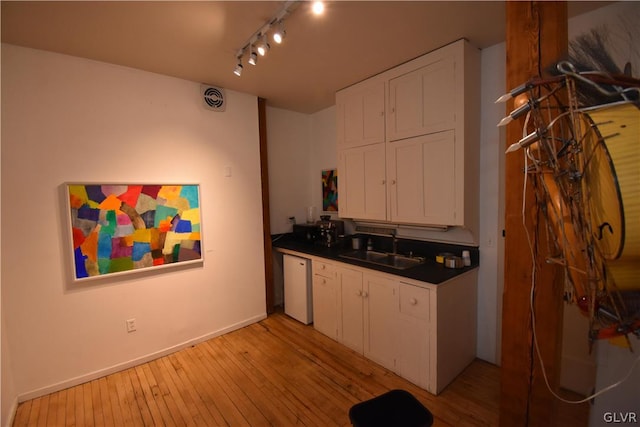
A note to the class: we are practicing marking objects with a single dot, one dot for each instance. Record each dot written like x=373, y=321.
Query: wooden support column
x=536, y=38
x=266, y=217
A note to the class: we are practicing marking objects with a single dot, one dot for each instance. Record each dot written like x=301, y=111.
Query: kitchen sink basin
x=396, y=261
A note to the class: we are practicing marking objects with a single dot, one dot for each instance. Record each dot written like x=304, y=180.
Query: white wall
x=614, y=365
x=618, y=23
x=289, y=152
x=323, y=153
x=490, y=274
x=299, y=147
x=70, y=119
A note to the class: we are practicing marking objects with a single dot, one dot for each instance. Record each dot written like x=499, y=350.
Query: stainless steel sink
x=396, y=261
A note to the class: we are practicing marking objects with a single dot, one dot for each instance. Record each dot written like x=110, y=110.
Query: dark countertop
x=431, y=271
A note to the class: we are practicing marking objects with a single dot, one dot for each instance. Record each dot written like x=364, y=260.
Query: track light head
x=253, y=57
x=238, y=69
x=279, y=33
x=264, y=46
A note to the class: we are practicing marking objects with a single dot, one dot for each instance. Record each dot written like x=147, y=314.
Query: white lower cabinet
x=369, y=305
x=326, y=299
x=412, y=359
x=352, y=309
x=425, y=333
x=380, y=310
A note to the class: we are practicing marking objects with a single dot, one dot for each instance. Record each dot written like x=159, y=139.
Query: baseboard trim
x=131, y=363
x=12, y=413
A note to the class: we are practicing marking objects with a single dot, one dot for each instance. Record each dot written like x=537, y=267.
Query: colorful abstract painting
x=329, y=190
x=123, y=228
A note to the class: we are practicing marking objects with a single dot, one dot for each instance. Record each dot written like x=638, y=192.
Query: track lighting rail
x=258, y=43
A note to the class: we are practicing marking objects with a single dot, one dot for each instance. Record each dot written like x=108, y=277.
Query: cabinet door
x=413, y=359
x=360, y=115
x=422, y=178
x=352, y=309
x=380, y=330
x=362, y=182
x=423, y=101
x=326, y=305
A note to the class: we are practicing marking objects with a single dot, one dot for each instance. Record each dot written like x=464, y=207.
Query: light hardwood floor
x=276, y=372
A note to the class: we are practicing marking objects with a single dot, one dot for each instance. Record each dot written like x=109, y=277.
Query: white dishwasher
x=297, y=288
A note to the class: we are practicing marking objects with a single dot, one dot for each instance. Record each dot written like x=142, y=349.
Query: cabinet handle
x=384, y=182
x=413, y=301
x=323, y=267
x=359, y=293
x=393, y=182
x=324, y=281
x=365, y=294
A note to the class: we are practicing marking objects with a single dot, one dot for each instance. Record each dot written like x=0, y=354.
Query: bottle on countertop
x=466, y=258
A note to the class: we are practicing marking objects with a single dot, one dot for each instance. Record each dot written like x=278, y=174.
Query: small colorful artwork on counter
x=329, y=190
x=123, y=228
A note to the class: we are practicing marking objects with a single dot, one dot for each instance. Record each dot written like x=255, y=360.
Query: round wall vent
x=213, y=98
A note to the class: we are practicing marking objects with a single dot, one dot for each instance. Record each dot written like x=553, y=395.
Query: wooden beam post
x=266, y=217
x=536, y=38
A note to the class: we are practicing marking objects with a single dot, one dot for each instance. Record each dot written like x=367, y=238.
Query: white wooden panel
x=406, y=105
x=373, y=115
x=424, y=180
x=414, y=301
x=360, y=115
x=353, y=121
x=351, y=184
x=375, y=183
x=407, y=182
x=438, y=94
x=325, y=306
x=381, y=307
x=423, y=101
x=361, y=183
x=352, y=309
x=412, y=361
x=439, y=179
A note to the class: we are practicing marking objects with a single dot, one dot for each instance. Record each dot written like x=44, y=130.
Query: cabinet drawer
x=324, y=269
x=414, y=301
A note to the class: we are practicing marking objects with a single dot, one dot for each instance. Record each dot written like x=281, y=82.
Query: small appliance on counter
x=330, y=231
x=306, y=232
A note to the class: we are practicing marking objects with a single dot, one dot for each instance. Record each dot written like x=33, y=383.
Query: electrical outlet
x=131, y=325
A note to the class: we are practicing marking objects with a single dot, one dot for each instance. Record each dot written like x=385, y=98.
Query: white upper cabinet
x=425, y=113
x=361, y=115
x=362, y=182
x=423, y=101
x=423, y=186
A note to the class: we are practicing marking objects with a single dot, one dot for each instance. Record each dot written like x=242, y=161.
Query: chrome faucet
x=394, y=243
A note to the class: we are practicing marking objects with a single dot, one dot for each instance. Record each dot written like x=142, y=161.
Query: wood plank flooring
x=276, y=372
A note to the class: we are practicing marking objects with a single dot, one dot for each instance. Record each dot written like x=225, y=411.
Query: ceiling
x=198, y=40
